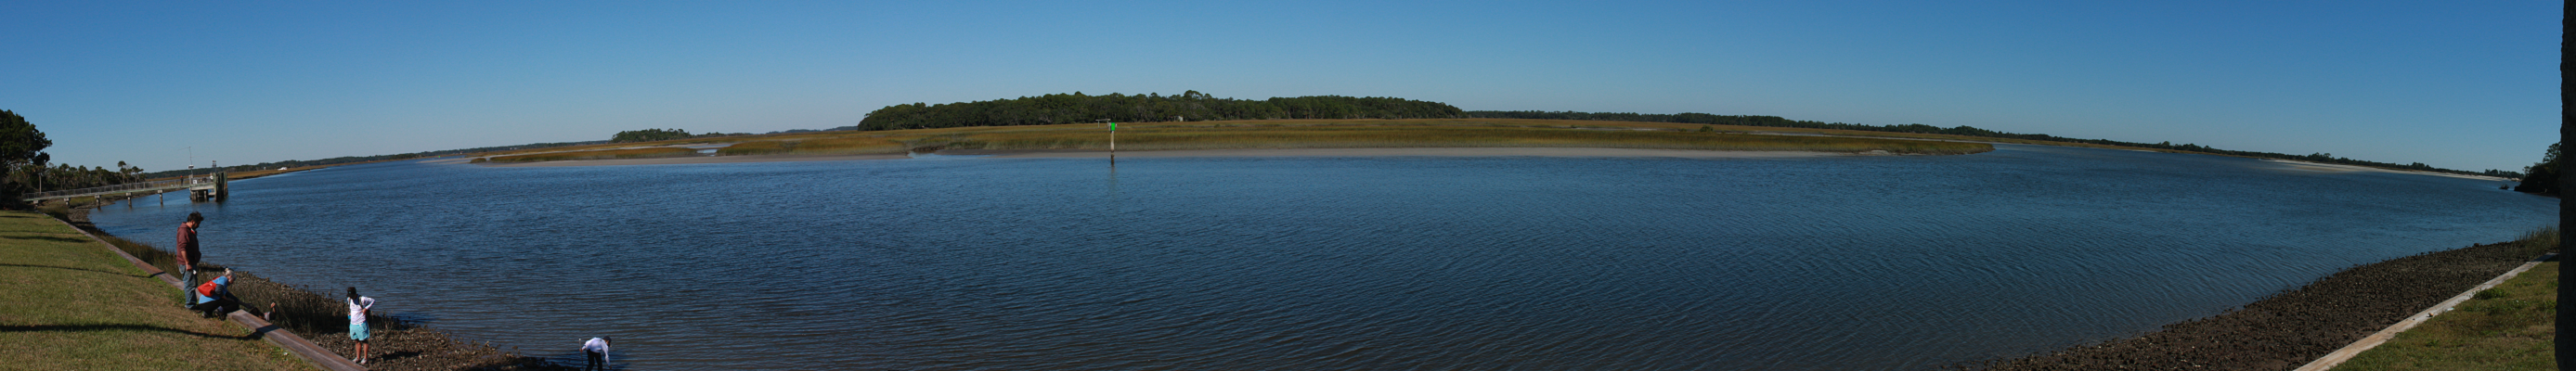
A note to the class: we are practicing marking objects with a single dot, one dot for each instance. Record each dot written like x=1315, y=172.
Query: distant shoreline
x=1290, y=152
x=2337, y=168
x=1440, y=137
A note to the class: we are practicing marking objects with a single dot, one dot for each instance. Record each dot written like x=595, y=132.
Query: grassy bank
x=66, y=304
x=1291, y=134
x=398, y=344
x=2509, y=327
x=2293, y=327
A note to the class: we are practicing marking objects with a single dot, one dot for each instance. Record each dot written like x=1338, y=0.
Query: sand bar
x=2338, y=168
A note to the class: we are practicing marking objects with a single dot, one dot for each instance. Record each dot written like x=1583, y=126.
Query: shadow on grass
x=48, y=238
x=66, y=268
x=108, y=327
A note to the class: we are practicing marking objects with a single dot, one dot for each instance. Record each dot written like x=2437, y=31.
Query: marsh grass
x=849, y=145
x=1292, y=134
x=303, y=310
x=166, y=261
x=599, y=154
x=2509, y=327
x=2538, y=241
x=1160, y=138
x=820, y=146
x=766, y=147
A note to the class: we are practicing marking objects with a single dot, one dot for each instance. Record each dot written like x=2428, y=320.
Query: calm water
x=1333, y=263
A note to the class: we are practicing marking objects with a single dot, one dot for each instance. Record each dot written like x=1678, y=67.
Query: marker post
x=1113, y=142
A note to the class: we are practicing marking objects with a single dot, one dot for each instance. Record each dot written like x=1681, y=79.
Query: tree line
x=22, y=154
x=648, y=135
x=2544, y=175
x=1190, y=105
x=1961, y=130
x=355, y=159
x=39, y=178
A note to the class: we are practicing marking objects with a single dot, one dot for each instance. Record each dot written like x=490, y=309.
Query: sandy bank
x=1301, y=152
x=2337, y=168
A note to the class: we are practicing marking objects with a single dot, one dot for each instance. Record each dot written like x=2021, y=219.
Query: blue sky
x=2468, y=85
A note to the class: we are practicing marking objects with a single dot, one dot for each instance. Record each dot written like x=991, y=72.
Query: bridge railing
x=127, y=187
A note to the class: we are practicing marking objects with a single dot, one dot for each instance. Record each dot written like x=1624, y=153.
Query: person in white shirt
x=359, y=306
x=597, y=349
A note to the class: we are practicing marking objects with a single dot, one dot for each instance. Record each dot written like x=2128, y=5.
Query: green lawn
x=2505, y=328
x=66, y=303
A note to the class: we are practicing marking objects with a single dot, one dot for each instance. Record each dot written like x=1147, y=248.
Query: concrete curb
x=259, y=328
x=2330, y=360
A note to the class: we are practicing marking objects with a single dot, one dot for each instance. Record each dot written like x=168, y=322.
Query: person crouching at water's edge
x=215, y=298
x=597, y=350
x=188, y=256
x=358, y=308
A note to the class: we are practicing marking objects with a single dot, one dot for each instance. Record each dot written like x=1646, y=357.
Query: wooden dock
x=200, y=188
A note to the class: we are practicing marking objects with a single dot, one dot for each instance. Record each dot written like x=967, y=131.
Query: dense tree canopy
x=1191, y=105
x=1962, y=130
x=20, y=142
x=648, y=135
x=2543, y=178
x=21, y=153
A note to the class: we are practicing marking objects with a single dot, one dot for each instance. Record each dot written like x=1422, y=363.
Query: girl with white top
x=358, y=308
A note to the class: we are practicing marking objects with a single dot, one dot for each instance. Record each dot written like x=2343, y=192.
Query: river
x=1542, y=263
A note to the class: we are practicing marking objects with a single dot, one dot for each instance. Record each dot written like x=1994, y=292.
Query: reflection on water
x=1334, y=263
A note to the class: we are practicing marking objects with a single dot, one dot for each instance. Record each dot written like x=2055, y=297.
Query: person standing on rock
x=188, y=255
x=597, y=351
x=358, y=308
